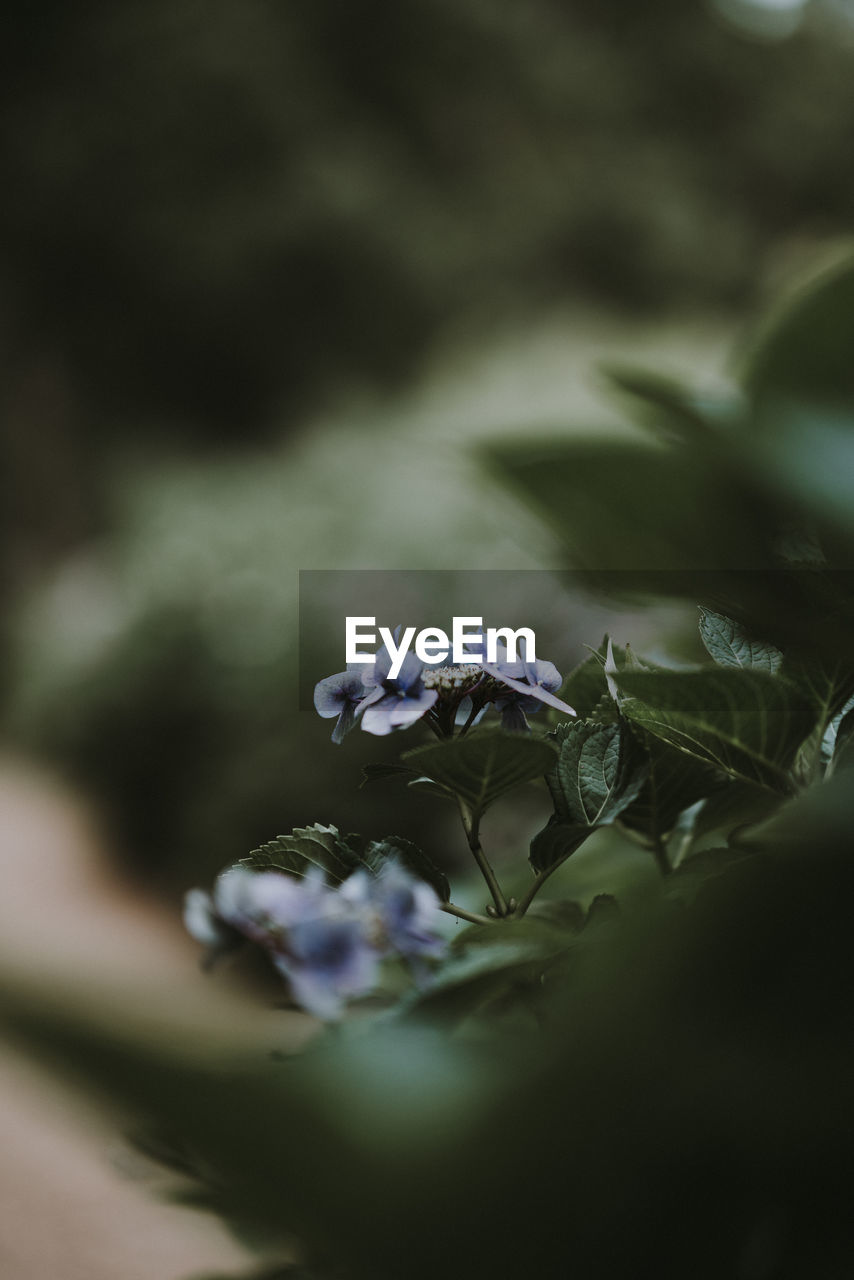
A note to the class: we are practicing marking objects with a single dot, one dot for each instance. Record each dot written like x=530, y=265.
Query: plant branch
x=528, y=897
x=472, y=916
x=471, y=826
x=470, y=721
x=659, y=852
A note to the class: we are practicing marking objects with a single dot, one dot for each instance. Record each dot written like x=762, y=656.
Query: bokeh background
x=268, y=272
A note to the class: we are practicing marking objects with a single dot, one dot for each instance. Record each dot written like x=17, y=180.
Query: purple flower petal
x=410, y=709
x=395, y=711
x=543, y=674
x=530, y=691
x=201, y=920
x=409, y=911
x=376, y=718
x=378, y=673
x=335, y=692
x=345, y=722
x=328, y=959
x=410, y=672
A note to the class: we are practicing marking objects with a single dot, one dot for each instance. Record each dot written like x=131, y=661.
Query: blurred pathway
x=75, y=1203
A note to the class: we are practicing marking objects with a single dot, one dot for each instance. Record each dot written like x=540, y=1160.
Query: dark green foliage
x=375, y=772
x=701, y=1046
x=803, y=357
x=481, y=767
x=730, y=646
x=586, y=686
x=745, y=723
x=598, y=773
x=660, y=1086
x=638, y=508
x=664, y=406
x=339, y=856
x=305, y=847
x=674, y=783
x=218, y=290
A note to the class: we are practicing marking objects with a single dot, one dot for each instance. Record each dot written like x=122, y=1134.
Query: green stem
x=470, y=721
x=471, y=828
x=472, y=916
x=659, y=852
x=527, y=898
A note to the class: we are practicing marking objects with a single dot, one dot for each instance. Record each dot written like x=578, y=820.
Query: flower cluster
x=327, y=942
x=450, y=694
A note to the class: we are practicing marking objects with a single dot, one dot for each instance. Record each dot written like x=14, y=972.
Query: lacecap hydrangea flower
x=327, y=942
x=368, y=694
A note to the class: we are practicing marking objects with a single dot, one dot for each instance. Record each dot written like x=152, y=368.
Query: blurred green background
x=271, y=275
x=270, y=269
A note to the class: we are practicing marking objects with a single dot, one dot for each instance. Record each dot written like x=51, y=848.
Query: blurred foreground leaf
x=804, y=354
x=703, y=1046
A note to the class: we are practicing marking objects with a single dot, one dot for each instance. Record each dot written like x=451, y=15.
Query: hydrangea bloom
x=531, y=685
x=202, y=922
x=395, y=702
x=327, y=943
x=340, y=695
x=327, y=950
x=404, y=908
x=383, y=703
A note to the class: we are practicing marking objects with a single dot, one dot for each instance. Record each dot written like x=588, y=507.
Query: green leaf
x=730, y=645
x=625, y=508
x=659, y=402
x=375, y=772
x=696, y=871
x=557, y=841
x=675, y=782
x=746, y=723
x=735, y=805
x=482, y=766
x=411, y=857
x=598, y=773
x=488, y=962
x=827, y=683
x=804, y=354
x=818, y=821
x=843, y=746
x=585, y=685
x=305, y=847
x=800, y=379
x=431, y=788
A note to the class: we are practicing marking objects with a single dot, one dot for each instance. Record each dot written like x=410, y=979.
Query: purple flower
x=328, y=955
x=323, y=943
x=327, y=942
x=395, y=702
x=340, y=695
x=260, y=904
x=203, y=922
x=532, y=684
x=405, y=908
